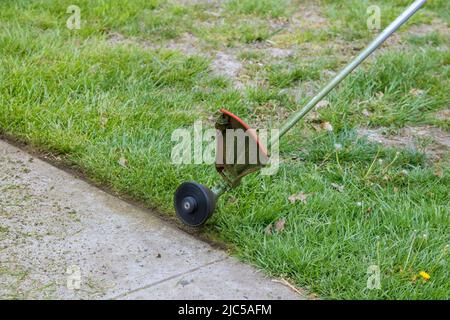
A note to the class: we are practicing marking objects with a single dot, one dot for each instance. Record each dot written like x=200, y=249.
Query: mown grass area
x=111, y=107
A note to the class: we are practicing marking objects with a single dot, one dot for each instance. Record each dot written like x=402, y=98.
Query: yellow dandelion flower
x=425, y=276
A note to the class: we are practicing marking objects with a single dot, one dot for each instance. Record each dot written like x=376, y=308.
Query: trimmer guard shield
x=233, y=161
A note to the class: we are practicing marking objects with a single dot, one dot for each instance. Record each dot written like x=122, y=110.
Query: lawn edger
x=195, y=203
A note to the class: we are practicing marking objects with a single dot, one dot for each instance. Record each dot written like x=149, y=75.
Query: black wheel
x=194, y=203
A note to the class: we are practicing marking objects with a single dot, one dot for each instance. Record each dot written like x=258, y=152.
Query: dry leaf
x=313, y=116
x=298, y=197
x=279, y=225
x=288, y=284
x=103, y=121
x=438, y=171
x=268, y=229
x=316, y=127
x=417, y=92
x=338, y=187
x=232, y=199
x=326, y=126
x=313, y=296
x=379, y=94
x=322, y=104
x=123, y=162
x=366, y=113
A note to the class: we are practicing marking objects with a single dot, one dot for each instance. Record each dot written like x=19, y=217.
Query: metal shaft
x=349, y=68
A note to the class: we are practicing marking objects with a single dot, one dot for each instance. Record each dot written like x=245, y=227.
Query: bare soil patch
x=431, y=140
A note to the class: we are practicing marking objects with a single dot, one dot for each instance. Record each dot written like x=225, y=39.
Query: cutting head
x=239, y=149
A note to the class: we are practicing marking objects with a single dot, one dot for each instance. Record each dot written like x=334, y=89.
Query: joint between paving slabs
x=124, y=294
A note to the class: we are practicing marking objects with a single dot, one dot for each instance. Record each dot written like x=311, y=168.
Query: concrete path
x=61, y=238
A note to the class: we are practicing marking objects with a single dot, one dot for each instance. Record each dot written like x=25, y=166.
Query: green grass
x=95, y=102
x=271, y=8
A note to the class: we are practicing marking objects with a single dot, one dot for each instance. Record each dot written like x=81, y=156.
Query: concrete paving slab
x=226, y=279
x=62, y=238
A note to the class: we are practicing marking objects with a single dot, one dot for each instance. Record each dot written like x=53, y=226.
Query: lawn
x=107, y=97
